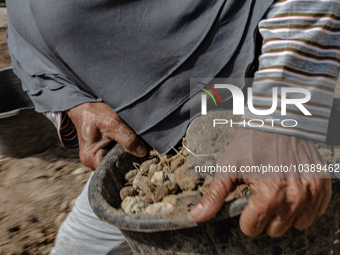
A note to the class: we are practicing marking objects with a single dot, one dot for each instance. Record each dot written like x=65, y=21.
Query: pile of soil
x=164, y=186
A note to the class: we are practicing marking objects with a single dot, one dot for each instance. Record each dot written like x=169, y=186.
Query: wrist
x=76, y=113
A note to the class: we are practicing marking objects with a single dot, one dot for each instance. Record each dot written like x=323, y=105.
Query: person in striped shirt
x=299, y=49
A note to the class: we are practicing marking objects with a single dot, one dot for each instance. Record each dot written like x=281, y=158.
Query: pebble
x=60, y=165
x=182, y=177
x=60, y=219
x=144, y=167
x=172, y=187
x=161, y=192
x=136, y=184
x=165, y=157
x=46, y=251
x=64, y=206
x=188, y=198
x=166, y=169
x=181, y=173
x=202, y=189
x=127, y=191
x=158, y=178
x=152, y=167
x=159, y=208
x=72, y=203
x=189, y=184
x=51, y=179
x=207, y=182
x=336, y=155
x=132, y=205
x=81, y=179
x=322, y=145
x=147, y=199
x=177, y=162
x=159, y=167
x=143, y=183
x=326, y=155
x=151, y=174
x=80, y=170
x=129, y=176
x=171, y=199
x=169, y=177
x=37, y=235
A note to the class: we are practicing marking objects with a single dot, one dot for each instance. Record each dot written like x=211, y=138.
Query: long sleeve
x=300, y=49
x=47, y=86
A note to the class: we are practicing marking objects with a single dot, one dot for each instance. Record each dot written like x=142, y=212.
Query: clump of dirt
x=164, y=186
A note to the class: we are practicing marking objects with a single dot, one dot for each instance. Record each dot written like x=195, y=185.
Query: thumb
x=128, y=139
x=213, y=200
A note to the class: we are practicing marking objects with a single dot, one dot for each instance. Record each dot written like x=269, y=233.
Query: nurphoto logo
x=239, y=107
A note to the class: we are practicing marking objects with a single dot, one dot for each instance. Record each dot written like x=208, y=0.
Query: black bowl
x=222, y=235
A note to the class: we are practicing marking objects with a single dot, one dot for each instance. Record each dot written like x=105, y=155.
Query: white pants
x=84, y=233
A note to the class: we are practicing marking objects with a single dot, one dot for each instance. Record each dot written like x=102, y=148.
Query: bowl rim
x=14, y=112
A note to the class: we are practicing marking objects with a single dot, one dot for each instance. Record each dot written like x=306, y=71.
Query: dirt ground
x=36, y=192
x=5, y=59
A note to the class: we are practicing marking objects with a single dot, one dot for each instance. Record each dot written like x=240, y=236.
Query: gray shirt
x=136, y=56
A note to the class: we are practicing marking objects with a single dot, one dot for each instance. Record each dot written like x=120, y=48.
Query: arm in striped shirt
x=301, y=49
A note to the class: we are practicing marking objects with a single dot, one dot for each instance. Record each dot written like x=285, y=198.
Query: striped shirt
x=300, y=49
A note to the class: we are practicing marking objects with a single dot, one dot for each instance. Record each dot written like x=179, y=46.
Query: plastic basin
x=222, y=235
